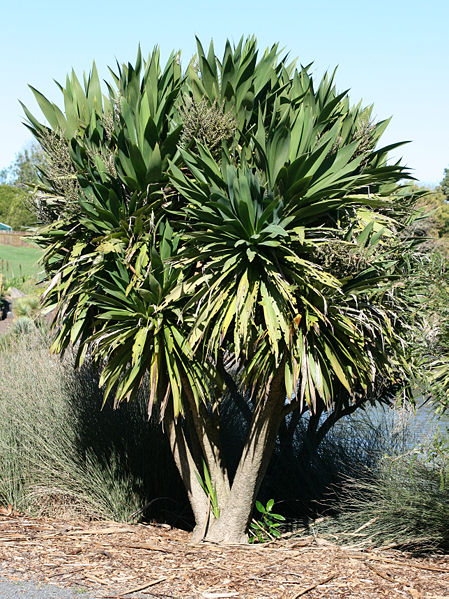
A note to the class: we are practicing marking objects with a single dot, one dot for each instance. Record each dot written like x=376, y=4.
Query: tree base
x=218, y=533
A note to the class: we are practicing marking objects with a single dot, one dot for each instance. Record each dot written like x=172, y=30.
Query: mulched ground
x=108, y=559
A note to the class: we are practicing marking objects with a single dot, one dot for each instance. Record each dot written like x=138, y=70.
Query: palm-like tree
x=232, y=226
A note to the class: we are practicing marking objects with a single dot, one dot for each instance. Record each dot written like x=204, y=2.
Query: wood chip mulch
x=112, y=560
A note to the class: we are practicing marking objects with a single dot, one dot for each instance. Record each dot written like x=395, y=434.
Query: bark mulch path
x=109, y=559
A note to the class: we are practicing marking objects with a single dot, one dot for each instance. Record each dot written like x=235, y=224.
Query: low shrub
x=23, y=325
x=27, y=306
x=399, y=498
x=23, y=331
x=402, y=504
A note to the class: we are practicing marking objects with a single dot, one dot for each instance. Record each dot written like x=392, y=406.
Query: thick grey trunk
x=234, y=518
x=235, y=503
x=188, y=458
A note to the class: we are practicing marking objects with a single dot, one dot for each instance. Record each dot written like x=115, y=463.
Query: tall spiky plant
x=268, y=262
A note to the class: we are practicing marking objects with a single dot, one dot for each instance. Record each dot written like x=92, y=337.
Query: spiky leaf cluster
x=273, y=238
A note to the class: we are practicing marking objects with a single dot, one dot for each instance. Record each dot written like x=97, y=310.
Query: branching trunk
x=234, y=517
x=196, y=439
x=233, y=388
x=332, y=419
x=235, y=501
x=311, y=441
x=287, y=430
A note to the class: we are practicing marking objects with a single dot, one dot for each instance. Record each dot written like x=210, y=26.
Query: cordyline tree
x=230, y=227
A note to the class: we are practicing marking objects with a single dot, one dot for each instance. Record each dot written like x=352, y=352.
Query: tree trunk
x=187, y=469
x=204, y=427
x=231, y=526
x=200, y=445
x=235, y=501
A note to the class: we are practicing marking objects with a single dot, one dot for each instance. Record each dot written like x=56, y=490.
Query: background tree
x=229, y=228
x=24, y=171
x=18, y=188
x=431, y=291
x=433, y=222
x=444, y=185
x=14, y=208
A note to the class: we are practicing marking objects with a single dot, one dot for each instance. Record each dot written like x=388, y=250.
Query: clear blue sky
x=392, y=53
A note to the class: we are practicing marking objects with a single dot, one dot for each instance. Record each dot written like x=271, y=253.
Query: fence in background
x=15, y=238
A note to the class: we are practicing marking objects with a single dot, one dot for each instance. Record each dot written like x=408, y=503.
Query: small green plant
x=23, y=325
x=267, y=528
x=27, y=306
x=210, y=491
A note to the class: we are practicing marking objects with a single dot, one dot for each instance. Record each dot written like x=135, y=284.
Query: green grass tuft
x=60, y=454
x=403, y=502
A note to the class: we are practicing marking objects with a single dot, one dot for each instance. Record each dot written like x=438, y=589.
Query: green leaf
x=260, y=507
x=47, y=108
x=362, y=239
x=336, y=367
x=139, y=345
x=154, y=172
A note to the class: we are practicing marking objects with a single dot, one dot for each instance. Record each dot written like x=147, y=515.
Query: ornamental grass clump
x=41, y=468
x=60, y=455
x=397, y=493
x=402, y=505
